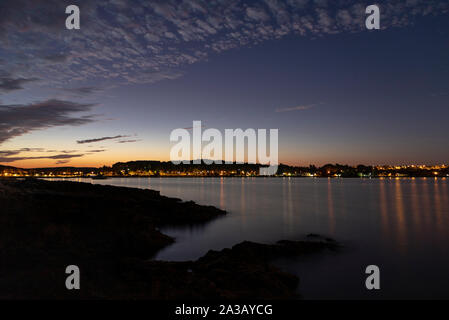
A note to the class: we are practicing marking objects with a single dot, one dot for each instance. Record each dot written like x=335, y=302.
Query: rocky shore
x=110, y=233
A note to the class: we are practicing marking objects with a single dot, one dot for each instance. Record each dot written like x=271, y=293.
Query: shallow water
x=400, y=225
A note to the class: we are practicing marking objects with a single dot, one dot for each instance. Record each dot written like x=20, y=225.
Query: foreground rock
x=110, y=232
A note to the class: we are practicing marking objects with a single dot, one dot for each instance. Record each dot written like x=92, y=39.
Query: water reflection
x=445, y=198
x=400, y=217
x=330, y=207
x=243, y=199
x=383, y=209
x=222, y=194
x=437, y=205
x=416, y=219
x=290, y=204
x=427, y=206
x=374, y=218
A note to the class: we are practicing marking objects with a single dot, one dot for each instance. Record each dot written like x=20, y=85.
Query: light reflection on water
x=401, y=225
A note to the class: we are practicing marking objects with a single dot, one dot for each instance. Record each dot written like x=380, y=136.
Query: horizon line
x=442, y=164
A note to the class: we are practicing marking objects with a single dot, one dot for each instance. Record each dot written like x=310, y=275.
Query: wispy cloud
x=60, y=151
x=16, y=120
x=62, y=161
x=56, y=58
x=97, y=151
x=7, y=153
x=297, y=108
x=54, y=157
x=8, y=83
x=63, y=156
x=128, y=141
x=82, y=90
x=100, y=139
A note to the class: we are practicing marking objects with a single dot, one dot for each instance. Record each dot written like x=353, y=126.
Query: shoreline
x=227, y=177
x=111, y=232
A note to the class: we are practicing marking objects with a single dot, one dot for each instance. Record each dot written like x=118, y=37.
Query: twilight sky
x=115, y=89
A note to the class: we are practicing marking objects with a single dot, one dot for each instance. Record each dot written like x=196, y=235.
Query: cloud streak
x=97, y=151
x=62, y=161
x=82, y=90
x=297, y=108
x=54, y=157
x=63, y=156
x=8, y=84
x=16, y=120
x=100, y=139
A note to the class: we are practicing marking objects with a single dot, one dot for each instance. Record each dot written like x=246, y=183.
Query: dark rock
x=110, y=233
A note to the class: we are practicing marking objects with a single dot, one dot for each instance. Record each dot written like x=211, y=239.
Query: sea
x=400, y=225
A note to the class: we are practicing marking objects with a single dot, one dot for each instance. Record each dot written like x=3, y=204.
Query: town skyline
x=152, y=168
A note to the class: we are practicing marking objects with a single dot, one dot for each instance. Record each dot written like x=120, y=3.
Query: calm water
x=401, y=225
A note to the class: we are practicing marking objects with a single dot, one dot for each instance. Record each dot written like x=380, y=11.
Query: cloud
x=100, y=139
x=55, y=157
x=56, y=58
x=37, y=150
x=297, y=108
x=97, y=151
x=127, y=141
x=62, y=161
x=8, y=84
x=148, y=41
x=12, y=152
x=82, y=90
x=61, y=151
x=7, y=153
x=63, y=156
x=257, y=14
x=16, y=120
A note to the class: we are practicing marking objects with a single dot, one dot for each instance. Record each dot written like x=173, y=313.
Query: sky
x=115, y=89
